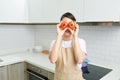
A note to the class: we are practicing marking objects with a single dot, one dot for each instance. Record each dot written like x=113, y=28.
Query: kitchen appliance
x=36, y=73
x=96, y=72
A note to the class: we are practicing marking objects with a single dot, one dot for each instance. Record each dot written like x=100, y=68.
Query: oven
x=36, y=73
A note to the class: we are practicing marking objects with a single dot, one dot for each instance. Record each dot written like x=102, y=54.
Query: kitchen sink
x=96, y=72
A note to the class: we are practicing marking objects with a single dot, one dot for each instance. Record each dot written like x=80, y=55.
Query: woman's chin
x=67, y=34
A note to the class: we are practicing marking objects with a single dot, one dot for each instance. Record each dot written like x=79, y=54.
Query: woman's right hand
x=60, y=32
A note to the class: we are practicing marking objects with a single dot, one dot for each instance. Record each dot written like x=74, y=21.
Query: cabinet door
x=3, y=73
x=16, y=71
x=76, y=7
x=35, y=10
x=51, y=76
x=13, y=11
x=101, y=10
x=50, y=11
x=44, y=11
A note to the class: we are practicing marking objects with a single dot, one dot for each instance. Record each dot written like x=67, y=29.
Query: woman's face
x=67, y=32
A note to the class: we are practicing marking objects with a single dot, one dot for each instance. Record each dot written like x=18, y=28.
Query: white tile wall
x=44, y=35
x=103, y=42
x=15, y=37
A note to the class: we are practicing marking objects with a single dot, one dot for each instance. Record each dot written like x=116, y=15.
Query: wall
x=102, y=41
x=44, y=34
x=14, y=38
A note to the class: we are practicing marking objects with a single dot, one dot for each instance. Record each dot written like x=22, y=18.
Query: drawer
x=37, y=69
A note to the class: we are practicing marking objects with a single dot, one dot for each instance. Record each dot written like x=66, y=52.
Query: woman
x=67, y=51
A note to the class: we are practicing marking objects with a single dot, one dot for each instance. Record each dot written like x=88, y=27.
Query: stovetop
x=96, y=72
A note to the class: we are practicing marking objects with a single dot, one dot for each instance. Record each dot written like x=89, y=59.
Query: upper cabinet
x=44, y=11
x=35, y=10
x=101, y=10
x=76, y=7
x=13, y=11
x=50, y=11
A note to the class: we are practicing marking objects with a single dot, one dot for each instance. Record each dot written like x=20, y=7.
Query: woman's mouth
x=68, y=31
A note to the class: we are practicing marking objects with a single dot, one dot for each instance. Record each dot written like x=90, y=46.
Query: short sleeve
x=51, y=45
x=82, y=45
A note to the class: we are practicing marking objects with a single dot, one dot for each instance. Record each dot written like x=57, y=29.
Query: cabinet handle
x=39, y=71
x=35, y=75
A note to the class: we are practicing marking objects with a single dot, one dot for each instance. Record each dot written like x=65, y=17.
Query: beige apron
x=66, y=68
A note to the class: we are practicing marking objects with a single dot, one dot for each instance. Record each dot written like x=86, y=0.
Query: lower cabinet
x=3, y=73
x=19, y=71
x=51, y=76
x=16, y=71
x=37, y=73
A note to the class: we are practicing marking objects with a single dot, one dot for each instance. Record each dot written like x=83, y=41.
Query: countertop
x=41, y=60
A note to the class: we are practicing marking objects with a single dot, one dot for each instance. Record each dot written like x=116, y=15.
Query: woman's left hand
x=75, y=32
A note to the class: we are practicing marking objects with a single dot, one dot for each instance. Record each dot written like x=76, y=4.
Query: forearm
x=54, y=53
x=78, y=53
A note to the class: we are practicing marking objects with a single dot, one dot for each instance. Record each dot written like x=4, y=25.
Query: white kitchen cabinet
x=101, y=10
x=13, y=11
x=47, y=11
x=76, y=7
x=16, y=71
x=44, y=11
x=50, y=11
x=3, y=73
x=35, y=10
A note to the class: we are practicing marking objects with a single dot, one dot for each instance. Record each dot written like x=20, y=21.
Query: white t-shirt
x=68, y=44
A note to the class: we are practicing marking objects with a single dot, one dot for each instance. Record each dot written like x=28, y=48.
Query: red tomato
x=72, y=25
x=63, y=25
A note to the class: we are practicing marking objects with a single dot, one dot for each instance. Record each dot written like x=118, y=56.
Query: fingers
x=72, y=31
x=77, y=26
x=65, y=29
x=60, y=31
x=57, y=30
x=58, y=25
